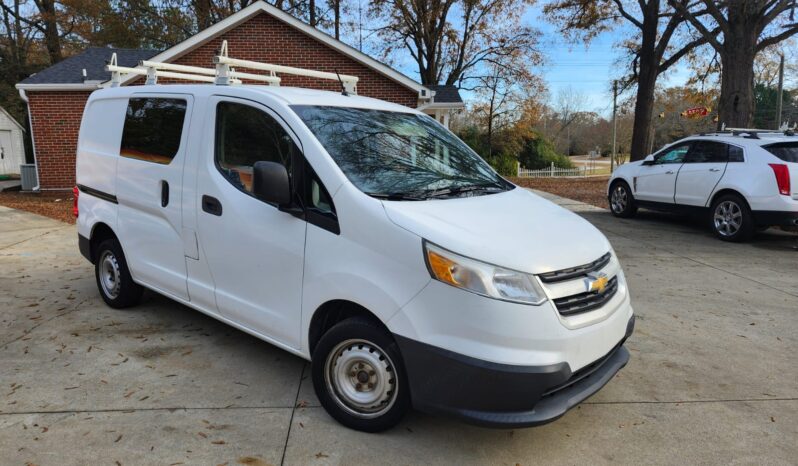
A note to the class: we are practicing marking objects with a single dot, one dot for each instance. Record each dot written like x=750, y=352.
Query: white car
x=739, y=180
x=358, y=234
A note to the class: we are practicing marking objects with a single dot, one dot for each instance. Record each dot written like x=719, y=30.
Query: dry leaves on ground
x=57, y=205
x=588, y=190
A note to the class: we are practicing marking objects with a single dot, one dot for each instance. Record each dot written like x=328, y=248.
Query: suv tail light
x=782, y=173
x=76, y=193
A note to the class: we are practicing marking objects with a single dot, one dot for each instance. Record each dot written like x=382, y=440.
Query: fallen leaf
x=118, y=438
x=321, y=455
x=218, y=442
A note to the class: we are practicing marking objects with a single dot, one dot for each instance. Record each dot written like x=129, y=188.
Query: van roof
x=289, y=95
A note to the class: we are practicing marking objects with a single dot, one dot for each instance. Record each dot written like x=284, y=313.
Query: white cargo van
x=358, y=234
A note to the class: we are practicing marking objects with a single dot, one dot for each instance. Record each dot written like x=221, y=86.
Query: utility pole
x=614, y=123
x=780, y=97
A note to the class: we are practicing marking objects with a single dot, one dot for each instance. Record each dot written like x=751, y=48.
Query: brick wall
x=55, y=118
x=56, y=115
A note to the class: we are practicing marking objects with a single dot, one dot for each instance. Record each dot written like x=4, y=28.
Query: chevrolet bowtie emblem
x=597, y=282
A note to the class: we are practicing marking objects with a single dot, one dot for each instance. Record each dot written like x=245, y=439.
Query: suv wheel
x=359, y=377
x=731, y=218
x=622, y=202
x=116, y=286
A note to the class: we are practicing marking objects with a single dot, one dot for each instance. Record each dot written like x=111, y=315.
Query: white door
x=253, y=249
x=7, y=157
x=702, y=170
x=149, y=182
x=657, y=182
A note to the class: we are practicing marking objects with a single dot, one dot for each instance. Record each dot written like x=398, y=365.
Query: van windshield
x=400, y=156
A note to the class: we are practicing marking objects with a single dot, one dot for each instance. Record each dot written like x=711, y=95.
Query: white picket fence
x=553, y=172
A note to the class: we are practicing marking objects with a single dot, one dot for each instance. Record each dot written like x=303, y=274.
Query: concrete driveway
x=713, y=376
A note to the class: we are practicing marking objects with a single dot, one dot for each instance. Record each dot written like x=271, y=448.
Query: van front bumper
x=502, y=395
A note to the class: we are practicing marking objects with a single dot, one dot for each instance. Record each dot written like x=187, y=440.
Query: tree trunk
x=736, y=106
x=312, y=9
x=337, y=19
x=646, y=84
x=202, y=8
x=51, y=37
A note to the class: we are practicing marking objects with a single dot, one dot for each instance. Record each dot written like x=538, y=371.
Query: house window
x=153, y=129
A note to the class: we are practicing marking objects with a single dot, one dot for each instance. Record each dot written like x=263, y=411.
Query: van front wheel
x=359, y=377
x=116, y=286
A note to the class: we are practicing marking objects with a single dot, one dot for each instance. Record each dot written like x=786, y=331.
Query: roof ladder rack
x=224, y=73
x=224, y=70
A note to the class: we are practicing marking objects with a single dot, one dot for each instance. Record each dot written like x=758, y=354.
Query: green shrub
x=538, y=152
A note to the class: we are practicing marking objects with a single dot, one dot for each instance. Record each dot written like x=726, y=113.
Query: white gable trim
x=262, y=7
x=5, y=112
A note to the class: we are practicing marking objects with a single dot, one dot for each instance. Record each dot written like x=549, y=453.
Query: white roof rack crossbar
x=224, y=73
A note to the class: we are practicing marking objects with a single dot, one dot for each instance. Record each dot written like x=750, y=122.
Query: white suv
x=740, y=180
x=358, y=234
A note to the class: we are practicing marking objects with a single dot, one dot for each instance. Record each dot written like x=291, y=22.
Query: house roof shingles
x=93, y=60
x=446, y=94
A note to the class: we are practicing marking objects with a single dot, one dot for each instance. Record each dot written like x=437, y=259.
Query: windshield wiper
x=453, y=191
x=397, y=196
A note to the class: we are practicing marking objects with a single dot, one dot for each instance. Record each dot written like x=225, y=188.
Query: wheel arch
x=99, y=233
x=333, y=312
x=725, y=191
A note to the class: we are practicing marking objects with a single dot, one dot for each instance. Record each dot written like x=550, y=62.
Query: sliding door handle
x=211, y=205
x=164, y=193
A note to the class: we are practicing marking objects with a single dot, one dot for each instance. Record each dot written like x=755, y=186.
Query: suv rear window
x=153, y=129
x=787, y=151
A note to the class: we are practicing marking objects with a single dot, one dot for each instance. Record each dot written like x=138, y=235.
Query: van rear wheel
x=359, y=377
x=116, y=286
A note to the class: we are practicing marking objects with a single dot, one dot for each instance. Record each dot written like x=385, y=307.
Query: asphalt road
x=713, y=377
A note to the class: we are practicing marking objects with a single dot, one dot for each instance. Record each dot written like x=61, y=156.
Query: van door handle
x=164, y=193
x=211, y=205
x=714, y=169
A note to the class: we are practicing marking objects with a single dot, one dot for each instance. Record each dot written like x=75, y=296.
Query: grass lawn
x=588, y=190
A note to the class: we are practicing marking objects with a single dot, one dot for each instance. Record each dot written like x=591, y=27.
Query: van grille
x=574, y=272
x=587, y=301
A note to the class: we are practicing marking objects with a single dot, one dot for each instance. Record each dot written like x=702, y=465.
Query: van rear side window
x=153, y=129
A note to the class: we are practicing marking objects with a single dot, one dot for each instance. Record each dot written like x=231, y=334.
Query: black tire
x=730, y=219
x=119, y=290
x=621, y=200
x=354, y=341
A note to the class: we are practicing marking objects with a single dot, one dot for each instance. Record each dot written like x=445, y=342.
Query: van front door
x=149, y=181
x=254, y=250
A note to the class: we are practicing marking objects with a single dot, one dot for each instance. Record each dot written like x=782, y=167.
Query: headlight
x=481, y=278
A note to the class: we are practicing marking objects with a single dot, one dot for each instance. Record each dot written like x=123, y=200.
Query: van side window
x=315, y=195
x=153, y=129
x=245, y=135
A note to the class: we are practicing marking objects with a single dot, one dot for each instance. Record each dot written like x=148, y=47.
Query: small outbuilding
x=12, y=144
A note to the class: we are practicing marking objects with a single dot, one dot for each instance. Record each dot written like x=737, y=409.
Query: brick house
x=57, y=95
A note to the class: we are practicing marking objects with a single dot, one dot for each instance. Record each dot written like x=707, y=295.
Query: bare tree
x=451, y=39
x=653, y=49
x=748, y=27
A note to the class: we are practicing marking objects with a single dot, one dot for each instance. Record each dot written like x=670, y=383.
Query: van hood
x=515, y=229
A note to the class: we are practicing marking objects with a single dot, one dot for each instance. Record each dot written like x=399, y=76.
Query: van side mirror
x=270, y=183
x=649, y=160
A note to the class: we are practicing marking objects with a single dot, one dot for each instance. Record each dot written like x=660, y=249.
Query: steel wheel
x=361, y=378
x=728, y=218
x=619, y=199
x=109, y=274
